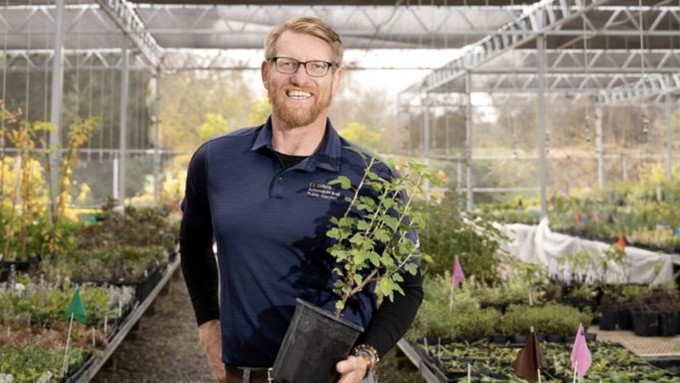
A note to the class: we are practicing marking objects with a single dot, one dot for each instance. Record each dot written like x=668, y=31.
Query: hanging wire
x=112, y=108
x=102, y=114
x=140, y=108
x=133, y=112
x=28, y=70
x=46, y=93
x=586, y=63
x=513, y=133
x=134, y=85
x=90, y=97
x=77, y=79
x=645, y=121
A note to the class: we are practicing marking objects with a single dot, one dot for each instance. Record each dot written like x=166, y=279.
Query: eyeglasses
x=314, y=68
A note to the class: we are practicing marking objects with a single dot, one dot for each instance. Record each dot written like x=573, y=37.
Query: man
x=262, y=194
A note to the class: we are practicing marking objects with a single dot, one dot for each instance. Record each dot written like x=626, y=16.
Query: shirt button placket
x=276, y=187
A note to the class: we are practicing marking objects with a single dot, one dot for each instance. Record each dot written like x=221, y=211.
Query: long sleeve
x=196, y=242
x=393, y=318
x=200, y=272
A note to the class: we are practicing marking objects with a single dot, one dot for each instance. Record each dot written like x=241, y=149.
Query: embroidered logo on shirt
x=319, y=190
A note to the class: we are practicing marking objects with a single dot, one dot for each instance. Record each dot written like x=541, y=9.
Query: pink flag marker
x=458, y=274
x=596, y=217
x=580, y=354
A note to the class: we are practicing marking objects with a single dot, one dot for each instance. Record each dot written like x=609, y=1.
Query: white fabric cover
x=538, y=244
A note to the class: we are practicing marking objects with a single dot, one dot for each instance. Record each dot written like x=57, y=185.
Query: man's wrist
x=368, y=354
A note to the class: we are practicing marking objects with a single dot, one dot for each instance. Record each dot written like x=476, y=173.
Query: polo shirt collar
x=326, y=157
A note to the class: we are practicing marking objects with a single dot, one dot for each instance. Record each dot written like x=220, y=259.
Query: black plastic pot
x=645, y=323
x=607, y=320
x=624, y=320
x=19, y=266
x=315, y=342
x=668, y=323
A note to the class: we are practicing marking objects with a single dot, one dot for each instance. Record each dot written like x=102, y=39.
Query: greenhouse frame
x=610, y=52
x=560, y=109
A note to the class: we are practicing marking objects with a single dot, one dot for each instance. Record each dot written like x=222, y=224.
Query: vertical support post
x=459, y=173
x=543, y=172
x=599, y=142
x=122, y=145
x=55, y=104
x=468, y=141
x=397, y=133
x=116, y=176
x=426, y=140
x=157, y=137
x=669, y=137
x=447, y=143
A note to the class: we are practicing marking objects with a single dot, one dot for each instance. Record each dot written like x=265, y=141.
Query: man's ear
x=264, y=72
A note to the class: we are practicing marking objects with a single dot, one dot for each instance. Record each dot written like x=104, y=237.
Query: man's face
x=299, y=99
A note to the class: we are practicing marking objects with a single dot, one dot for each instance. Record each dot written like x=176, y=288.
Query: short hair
x=309, y=26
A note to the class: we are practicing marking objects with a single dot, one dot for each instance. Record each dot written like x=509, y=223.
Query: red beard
x=293, y=115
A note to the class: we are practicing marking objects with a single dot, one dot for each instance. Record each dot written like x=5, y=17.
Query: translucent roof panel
x=242, y=25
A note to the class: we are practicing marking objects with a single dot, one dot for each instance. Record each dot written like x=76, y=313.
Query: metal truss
x=566, y=71
x=653, y=88
x=584, y=61
x=362, y=27
x=157, y=28
x=126, y=18
x=32, y=27
x=599, y=47
x=86, y=60
x=581, y=36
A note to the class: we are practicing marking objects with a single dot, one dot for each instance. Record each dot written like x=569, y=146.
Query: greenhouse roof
x=616, y=49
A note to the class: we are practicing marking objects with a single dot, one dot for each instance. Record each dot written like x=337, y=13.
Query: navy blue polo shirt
x=269, y=224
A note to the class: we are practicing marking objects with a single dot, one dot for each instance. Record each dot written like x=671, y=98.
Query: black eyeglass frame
x=303, y=63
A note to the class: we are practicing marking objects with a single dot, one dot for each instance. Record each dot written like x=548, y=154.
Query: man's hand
x=352, y=369
x=210, y=335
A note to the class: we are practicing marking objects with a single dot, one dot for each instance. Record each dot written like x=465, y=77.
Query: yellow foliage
x=23, y=185
x=260, y=109
x=173, y=183
x=361, y=135
x=213, y=126
x=653, y=174
x=580, y=192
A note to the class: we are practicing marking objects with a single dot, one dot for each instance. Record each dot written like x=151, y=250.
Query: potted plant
x=372, y=246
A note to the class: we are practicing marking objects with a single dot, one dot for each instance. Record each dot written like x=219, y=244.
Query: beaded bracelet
x=369, y=354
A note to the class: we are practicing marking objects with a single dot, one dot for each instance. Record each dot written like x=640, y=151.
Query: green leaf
x=345, y=182
x=363, y=225
x=334, y=233
x=411, y=268
x=374, y=258
x=383, y=235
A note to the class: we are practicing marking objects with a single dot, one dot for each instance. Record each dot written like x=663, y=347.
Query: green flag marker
x=77, y=309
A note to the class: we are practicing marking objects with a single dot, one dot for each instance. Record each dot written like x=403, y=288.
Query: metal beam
x=393, y=26
x=55, y=108
x=41, y=60
x=542, y=18
x=651, y=86
x=128, y=21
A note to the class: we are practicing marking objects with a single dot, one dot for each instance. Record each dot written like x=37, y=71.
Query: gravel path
x=164, y=347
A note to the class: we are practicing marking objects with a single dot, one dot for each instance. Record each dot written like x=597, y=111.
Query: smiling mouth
x=298, y=94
